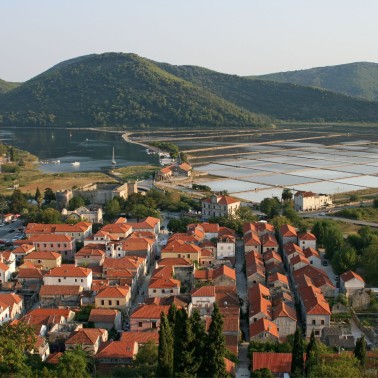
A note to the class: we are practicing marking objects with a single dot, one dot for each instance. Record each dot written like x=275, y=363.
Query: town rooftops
x=221, y=200
x=275, y=362
x=147, y=223
x=89, y=251
x=117, y=350
x=313, y=301
x=127, y=262
x=85, y=336
x=185, y=167
x=306, y=236
x=113, y=292
x=30, y=273
x=60, y=290
x=175, y=261
x=278, y=277
x=136, y=244
x=284, y=310
x=211, y=274
x=263, y=226
x=140, y=337
x=117, y=228
x=164, y=283
x=263, y=325
x=69, y=270
x=103, y=315
x=181, y=247
x=37, y=255
x=287, y=230
x=166, y=170
x=350, y=275
x=268, y=240
x=204, y=291
x=146, y=311
x=311, y=252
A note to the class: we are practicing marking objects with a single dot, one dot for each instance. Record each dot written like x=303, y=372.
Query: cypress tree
x=297, y=362
x=184, y=362
x=165, y=350
x=172, y=315
x=38, y=197
x=216, y=346
x=312, y=353
x=200, y=342
x=360, y=350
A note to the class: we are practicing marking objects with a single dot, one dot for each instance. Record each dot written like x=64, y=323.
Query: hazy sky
x=244, y=37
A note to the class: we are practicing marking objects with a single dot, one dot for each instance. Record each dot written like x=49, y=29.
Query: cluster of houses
x=129, y=279
x=178, y=169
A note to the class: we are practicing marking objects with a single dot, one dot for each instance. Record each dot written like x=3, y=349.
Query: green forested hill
x=282, y=101
x=354, y=79
x=6, y=86
x=118, y=90
x=127, y=91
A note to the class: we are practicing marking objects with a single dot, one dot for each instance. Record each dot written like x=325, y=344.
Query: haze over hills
x=354, y=79
x=125, y=90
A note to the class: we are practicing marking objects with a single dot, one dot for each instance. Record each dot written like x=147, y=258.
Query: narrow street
x=242, y=369
x=241, y=286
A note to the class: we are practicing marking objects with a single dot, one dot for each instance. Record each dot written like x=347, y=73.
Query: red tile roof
x=263, y=226
x=69, y=270
x=42, y=256
x=284, y=310
x=60, y=290
x=85, y=336
x=308, y=252
x=117, y=228
x=103, y=315
x=204, y=291
x=278, y=277
x=223, y=200
x=350, y=275
x=268, y=240
x=149, y=311
x=50, y=238
x=3, y=267
x=113, y=292
x=117, y=350
x=88, y=251
x=275, y=362
x=313, y=301
x=185, y=167
x=174, y=261
x=140, y=337
x=287, y=230
x=252, y=239
x=263, y=325
x=30, y=273
x=306, y=236
x=164, y=283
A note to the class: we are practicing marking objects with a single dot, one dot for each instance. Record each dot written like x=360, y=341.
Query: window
x=154, y=325
x=317, y=333
x=103, y=303
x=75, y=279
x=322, y=322
x=154, y=291
x=59, y=280
x=140, y=324
x=117, y=303
x=313, y=321
x=39, y=261
x=109, y=302
x=81, y=280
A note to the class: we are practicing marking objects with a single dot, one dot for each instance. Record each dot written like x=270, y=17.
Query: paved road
x=241, y=284
x=242, y=370
x=9, y=231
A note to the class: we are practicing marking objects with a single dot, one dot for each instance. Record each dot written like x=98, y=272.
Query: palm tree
x=287, y=195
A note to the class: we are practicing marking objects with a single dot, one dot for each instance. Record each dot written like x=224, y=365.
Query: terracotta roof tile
x=287, y=230
x=69, y=270
x=103, y=315
x=85, y=336
x=149, y=312
x=275, y=362
x=263, y=325
x=60, y=290
x=140, y=337
x=113, y=292
x=350, y=275
x=204, y=291
x=42, y=256
x=117, y=350
x=306, y=236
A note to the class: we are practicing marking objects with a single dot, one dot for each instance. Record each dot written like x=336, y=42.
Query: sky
x=242, y=37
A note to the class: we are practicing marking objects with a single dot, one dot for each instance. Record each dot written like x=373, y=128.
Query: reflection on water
x=92, y=149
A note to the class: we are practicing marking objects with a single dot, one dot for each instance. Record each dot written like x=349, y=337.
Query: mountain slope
x=354, y=79
x=279, y=100
x=6, y=86
x=118, y=90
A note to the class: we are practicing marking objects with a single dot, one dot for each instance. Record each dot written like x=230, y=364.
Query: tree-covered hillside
x=6, y=86
x=354, y=79
x=127, y=91
x=282, y=101
x=118, y=90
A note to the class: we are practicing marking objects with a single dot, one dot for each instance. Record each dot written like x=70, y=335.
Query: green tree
x=75, y=203
x=112, y=209
x=50, y=215
x=165, y=349
x=279, y=221
x=333, y=240
x=141, y=211
x=49, y=195
x=370, y=263
x=245, y=214
x=200, y=342
x=344, y=366
x=287, y=195
x=184, y=364
x=11, y=154
x=38, y=197
x=172, y=313
x=297, y=362
x=360, y=350
x=262, y=373
x=271, y=207
x=312, y=353
x=344, y=259
x=215, y=365
x=73, y=364
x=375, y=203
x=18, y=201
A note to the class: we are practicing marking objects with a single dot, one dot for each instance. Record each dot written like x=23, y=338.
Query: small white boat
x=76, y=163
x=56, y=161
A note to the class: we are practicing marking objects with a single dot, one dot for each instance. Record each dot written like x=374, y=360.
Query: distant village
x=266, y=283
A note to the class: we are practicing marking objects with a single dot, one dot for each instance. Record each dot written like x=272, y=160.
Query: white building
x=219, y=206
x=350, y=282
x=225, y=246
x=69, y=275
x=308, y=201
